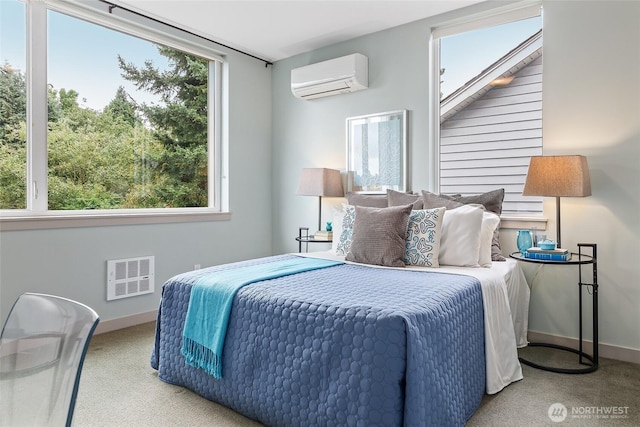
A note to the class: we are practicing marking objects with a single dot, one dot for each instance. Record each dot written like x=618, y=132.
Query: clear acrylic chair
x=42, y=349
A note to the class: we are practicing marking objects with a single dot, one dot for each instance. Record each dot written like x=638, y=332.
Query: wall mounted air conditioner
x=340, y=75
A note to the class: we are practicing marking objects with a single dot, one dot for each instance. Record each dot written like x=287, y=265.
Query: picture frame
x=377, y=152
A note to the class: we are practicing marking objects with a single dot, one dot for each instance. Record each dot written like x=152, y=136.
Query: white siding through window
x=487, y=145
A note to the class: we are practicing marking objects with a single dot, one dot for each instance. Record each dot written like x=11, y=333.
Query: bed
x=355, y=343
x=329, y=347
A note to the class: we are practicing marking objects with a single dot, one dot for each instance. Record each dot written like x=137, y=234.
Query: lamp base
x=558, y=244
x=319, y=212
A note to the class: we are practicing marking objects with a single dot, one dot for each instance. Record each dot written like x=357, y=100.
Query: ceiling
x=274, y=30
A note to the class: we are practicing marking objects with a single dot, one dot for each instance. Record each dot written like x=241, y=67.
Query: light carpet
x=119, y=388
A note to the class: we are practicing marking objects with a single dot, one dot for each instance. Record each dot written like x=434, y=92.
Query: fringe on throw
x=199, y=356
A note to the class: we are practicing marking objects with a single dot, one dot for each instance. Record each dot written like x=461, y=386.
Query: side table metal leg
x=595, y=305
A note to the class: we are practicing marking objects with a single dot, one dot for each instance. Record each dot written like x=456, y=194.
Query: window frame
x=495, y=16
x=37, y=215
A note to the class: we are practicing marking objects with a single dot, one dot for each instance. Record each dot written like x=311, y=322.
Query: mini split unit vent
x=130, y=277
x=340, y=75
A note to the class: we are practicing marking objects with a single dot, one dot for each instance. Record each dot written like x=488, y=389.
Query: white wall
x=71, y=262
x=591, y=98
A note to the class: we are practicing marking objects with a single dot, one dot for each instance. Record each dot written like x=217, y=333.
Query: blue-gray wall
x=591, y=106
x=591, y=102
x=71, y=262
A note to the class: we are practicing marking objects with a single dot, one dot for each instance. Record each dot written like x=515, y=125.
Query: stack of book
x=557, y=254
x=323, y=235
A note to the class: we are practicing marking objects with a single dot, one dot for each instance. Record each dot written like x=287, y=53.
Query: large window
x=490, y=107
x=115, y=121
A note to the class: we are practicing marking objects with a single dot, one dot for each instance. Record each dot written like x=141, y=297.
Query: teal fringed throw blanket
x=210, y=305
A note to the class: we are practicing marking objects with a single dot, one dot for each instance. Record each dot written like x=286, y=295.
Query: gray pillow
x=432, y=200
x=397, y=198
x=492, y=201
x=368, y=200
x=379, y=235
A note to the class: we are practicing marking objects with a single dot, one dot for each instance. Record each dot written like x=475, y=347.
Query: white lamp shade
x=320, y=182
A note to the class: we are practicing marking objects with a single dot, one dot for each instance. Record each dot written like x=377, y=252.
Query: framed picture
x=377, y=152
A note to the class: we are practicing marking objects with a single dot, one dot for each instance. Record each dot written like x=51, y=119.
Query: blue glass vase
x=525, y=240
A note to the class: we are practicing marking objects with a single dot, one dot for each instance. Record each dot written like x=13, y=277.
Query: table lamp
x=558, y=176
x=320, y=182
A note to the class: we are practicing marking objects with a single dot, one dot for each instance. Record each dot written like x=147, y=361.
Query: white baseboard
x=126, y=322
x=608, y=351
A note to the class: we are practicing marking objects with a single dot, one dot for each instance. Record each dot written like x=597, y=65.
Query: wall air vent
x=130, y=277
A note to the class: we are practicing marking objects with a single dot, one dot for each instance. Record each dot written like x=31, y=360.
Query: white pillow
x=490, y=223
x=460, y=242
x=343, y=243
x=423, y=237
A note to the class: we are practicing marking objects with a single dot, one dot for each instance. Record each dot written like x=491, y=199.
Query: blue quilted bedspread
x=348, y=345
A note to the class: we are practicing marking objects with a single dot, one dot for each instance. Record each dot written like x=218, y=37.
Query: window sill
x=76, y=219
x=523, y=222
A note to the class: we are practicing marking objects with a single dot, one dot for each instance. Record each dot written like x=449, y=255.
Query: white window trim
x=122, y=20
x=99, y=218
x=496, y=16
x=37, y=215
x=36, y=111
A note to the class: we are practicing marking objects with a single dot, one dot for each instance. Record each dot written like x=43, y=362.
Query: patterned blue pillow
x=423, y=237
x=344, y=242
